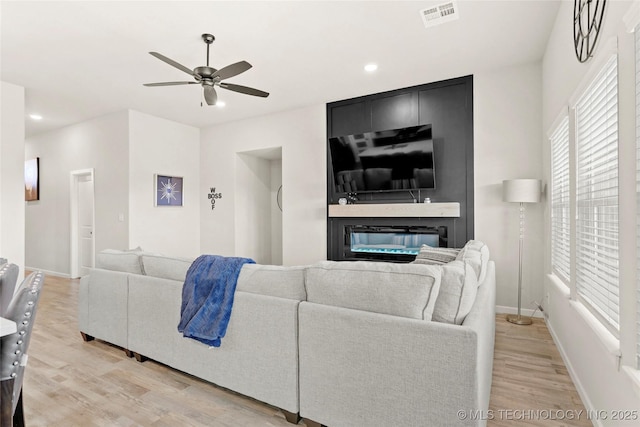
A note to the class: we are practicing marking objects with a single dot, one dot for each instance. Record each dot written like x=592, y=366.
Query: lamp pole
x=518, y=319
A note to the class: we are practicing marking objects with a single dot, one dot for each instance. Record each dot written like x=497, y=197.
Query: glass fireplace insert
x=390, y=243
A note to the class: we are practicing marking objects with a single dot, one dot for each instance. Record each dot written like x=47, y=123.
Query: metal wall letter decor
x=587, y=22
x=213, y=196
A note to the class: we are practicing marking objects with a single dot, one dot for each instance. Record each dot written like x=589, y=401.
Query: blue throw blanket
x=207, y=297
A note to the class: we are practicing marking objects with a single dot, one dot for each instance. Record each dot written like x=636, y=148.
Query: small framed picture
x=31, y=180
x=168, y=190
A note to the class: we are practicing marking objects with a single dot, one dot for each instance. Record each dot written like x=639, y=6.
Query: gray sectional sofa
x=338, y=343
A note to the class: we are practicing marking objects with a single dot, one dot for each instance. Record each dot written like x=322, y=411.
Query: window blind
x=597, y=276
x=560, y=224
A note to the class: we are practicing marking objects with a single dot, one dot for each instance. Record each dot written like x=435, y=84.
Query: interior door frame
x=75, y=232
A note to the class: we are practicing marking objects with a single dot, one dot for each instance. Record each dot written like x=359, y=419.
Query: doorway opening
x=82, y=210
x=259, y=205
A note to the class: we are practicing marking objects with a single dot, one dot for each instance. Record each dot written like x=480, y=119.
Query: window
x=596, y=114
x=560, y=252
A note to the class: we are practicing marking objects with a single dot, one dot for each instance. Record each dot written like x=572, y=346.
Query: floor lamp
x=521, y=191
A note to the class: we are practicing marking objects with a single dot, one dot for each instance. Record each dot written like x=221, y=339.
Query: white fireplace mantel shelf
x=397, y=210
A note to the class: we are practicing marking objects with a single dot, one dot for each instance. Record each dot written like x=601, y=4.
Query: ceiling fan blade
x=232, y=70
x=210, y=95
x=172, y=63
x=170, y=83
x=244, y=89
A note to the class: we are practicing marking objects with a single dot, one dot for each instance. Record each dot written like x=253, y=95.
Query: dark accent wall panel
x=394, y=111
x=349, y=119
x=448, y=107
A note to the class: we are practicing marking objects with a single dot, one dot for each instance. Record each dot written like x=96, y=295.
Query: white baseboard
x=49, y=272
x=503, y=309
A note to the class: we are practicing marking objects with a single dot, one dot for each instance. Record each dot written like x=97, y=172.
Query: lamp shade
x=521, y=190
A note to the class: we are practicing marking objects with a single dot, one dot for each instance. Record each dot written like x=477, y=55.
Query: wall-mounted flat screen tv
x=390, y=160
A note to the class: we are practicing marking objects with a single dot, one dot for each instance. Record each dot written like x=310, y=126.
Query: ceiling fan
x=209, y=77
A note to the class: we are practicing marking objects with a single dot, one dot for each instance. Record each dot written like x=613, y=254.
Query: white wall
x=594, y=369
x=302, y=135
x=12, y=209
x=276, y=213
x=100, y=143
x=159, y=146
x=508, y=138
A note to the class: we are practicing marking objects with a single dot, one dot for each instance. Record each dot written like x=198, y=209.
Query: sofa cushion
x=476, y=253
x=125, y=261
x=166, y=267
x=273, y=280
x=458, y=290
x=404, y=290
x=435, y=256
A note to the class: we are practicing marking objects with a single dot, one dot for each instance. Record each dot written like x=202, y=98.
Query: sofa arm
x=362, y=368
x=481, y=319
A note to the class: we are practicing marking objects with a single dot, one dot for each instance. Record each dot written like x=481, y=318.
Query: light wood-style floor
x=73, y=383
x=531, y=385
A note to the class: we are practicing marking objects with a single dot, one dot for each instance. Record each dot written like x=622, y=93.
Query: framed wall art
x=32, y=180
x=167, y=190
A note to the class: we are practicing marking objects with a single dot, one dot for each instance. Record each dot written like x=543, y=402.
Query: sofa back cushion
x=125, y=261
x=458, y=290
x=273, y=280
x=404, y=290
x=166, y=267
x=476, y=253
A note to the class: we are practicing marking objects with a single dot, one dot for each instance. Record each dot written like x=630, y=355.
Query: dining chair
x=8, y=279
x=13, y=349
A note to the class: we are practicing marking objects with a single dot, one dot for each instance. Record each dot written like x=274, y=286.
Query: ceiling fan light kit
x=209, y=77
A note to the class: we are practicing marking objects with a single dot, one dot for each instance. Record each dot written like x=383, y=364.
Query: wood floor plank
x=70, y=382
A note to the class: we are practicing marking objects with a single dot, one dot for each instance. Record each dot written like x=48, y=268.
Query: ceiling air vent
x=439, y=14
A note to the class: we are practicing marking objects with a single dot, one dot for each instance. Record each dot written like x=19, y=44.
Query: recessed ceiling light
x=220, y=104
x=35, y=116
x=370, y=68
